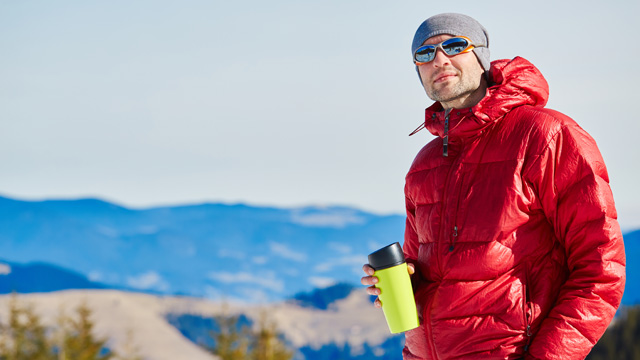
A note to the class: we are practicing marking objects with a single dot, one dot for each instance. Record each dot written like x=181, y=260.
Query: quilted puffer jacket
x=513, y=233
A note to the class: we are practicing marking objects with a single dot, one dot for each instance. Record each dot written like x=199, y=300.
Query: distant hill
x=236, y=252
x=41, y=277
x=632, y=249
x=322, y=298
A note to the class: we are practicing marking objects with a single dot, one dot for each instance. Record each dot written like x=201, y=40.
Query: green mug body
x=396, y=296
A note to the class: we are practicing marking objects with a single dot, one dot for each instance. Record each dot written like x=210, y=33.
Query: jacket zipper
x=445, y=153
x=454, y=234
x=445, y=138
x=441, y=237
x=528, y=310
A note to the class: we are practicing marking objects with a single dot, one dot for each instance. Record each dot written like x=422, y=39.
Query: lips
x=444, y=77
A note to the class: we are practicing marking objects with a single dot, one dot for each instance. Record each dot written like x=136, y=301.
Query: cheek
x=424, y=73
x=466, y=62
x=473, y=66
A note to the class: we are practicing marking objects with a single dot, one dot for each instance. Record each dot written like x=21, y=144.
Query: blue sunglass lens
x=425, y=53
x=455, y=46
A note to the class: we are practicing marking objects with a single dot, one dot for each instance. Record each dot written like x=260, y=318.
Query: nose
x=441, y=59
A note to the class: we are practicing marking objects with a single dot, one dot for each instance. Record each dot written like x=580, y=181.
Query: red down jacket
x=514, y=233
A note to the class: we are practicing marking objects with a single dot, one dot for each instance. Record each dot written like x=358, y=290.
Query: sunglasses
x=451, y=47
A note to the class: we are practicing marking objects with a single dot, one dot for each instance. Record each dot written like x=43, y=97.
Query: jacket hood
x=513, y=83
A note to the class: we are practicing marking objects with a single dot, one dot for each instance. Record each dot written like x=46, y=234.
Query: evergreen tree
x=77, y=341
x=267, y=343
x=236, y=342
x=24, y=337
x=231, y=340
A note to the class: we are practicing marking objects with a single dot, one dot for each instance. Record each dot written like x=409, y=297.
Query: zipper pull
x=526, y=347
x=445, y=139
x=455, y=234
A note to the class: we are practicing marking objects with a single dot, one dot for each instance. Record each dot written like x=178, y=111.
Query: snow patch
x=95, y=276
x=284, y=251
x=264, y=280
x=150, y=280
x=321, y=282
x=5, y=269
x=255, y=295
x=336, y=218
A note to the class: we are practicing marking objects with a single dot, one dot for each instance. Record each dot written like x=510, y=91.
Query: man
x=511, y=227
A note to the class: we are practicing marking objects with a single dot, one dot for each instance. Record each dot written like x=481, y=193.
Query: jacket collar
x=514, y=83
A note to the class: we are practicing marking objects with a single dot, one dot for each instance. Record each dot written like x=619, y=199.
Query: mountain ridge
x=211, y=250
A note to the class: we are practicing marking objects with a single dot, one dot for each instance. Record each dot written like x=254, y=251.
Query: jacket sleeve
x=410, y=249
x=410, y=245
x=573, y=186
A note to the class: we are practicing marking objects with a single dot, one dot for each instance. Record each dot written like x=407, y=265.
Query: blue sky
x=281, y=103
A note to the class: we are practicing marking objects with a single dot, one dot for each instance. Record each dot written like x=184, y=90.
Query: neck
x=469, y=99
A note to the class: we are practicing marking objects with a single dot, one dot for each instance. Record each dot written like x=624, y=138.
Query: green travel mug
x=396, y=293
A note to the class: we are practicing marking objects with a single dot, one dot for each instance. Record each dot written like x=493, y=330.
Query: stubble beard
x=451, y=92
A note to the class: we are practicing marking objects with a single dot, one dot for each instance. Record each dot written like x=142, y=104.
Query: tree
x=24, y=337
x=234, y=341
x=267, y=343
x=231, y=340
x=77, y=341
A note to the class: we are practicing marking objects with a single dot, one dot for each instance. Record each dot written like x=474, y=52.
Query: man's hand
x=371, y=280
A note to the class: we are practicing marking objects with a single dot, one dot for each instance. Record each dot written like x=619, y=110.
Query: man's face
x=450, y=80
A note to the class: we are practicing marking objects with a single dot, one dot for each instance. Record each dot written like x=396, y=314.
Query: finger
x=369, y=280
x=372, y=290
x=411, y=268
x=367, y=269
x=377, y=303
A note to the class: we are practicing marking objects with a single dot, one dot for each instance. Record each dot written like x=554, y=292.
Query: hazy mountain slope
x=40, y=277
x=352, y=321
x=212, y=250
x=632, y=252
x=116, y=314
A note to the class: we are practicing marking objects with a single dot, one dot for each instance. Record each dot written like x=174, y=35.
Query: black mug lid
x=388, y=256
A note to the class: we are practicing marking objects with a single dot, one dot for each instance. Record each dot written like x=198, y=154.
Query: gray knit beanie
x=457, y=25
